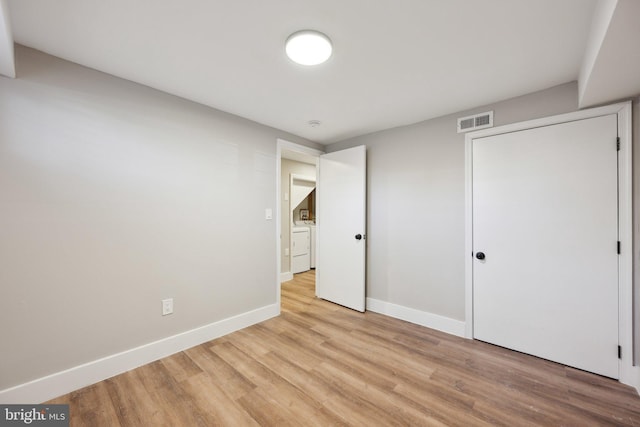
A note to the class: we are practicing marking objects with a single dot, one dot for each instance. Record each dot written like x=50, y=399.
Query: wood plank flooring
x=320, y=364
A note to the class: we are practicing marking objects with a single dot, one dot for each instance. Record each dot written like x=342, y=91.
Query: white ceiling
x=395, y=62
x=611, y=69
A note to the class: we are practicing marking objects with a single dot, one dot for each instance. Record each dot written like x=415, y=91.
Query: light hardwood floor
x=322, y=364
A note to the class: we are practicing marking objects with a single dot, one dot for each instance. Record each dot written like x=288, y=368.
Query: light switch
x=268, y=214
x=286, y=197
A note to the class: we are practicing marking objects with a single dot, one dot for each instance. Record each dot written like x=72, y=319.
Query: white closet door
x=545, y=218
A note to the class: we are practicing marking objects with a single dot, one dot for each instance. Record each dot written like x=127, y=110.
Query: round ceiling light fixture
x=308, y=47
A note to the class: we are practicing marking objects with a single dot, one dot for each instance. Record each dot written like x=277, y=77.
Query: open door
x=341, y=227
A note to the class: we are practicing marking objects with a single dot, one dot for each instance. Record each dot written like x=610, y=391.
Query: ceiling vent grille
x=475, y=122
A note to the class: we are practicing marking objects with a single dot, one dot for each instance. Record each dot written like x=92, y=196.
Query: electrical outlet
x=167, y=306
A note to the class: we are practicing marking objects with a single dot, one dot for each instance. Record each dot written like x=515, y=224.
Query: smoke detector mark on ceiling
x=314, y=123
x=475, y=122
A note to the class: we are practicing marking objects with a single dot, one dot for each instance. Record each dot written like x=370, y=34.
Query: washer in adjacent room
x=312, y=240
x=300, y=249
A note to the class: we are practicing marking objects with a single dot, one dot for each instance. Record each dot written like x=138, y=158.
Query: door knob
x=358, y=236
x=480, y=255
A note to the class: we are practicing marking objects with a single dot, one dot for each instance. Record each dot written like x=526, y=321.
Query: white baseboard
x=60, y=383
x=423, y=318
x=285, y=277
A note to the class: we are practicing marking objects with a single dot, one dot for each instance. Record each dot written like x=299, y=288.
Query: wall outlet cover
x=167, y=306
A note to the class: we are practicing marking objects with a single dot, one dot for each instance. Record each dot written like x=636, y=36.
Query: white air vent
x=475, y=122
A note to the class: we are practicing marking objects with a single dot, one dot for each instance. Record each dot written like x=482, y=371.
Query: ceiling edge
x=600, y=24
x=7, y=56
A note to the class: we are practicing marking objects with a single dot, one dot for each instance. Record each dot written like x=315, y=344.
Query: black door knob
x=358, y=236
x=480, y=255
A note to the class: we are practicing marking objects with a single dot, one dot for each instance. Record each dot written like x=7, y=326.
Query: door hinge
x=618, y=143
x=619, y=352
x=618, y=247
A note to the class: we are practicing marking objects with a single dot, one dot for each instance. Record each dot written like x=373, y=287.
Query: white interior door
x=341, y=221
x=545, y=218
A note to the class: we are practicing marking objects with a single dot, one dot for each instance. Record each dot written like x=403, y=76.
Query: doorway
x=341, y=229
x=297, y=169
x=300, y=219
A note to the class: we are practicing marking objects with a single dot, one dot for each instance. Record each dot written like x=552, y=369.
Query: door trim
x=629, y=374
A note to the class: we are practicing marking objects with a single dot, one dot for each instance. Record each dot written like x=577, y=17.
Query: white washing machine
x=300, y=249
x=312, y=240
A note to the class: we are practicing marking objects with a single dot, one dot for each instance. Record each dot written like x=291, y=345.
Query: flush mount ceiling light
x=308, y=47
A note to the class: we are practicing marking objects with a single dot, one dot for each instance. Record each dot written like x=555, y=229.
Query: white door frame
x=629, y=374
x=283, y=145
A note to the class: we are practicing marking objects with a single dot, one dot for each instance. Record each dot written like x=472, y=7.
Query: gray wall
x=415, y=236
x=114, y=196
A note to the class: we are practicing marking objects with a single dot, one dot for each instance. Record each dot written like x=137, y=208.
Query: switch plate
x=268, y=214
x=167, y=306
x=286, y=251
x=286, y=197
